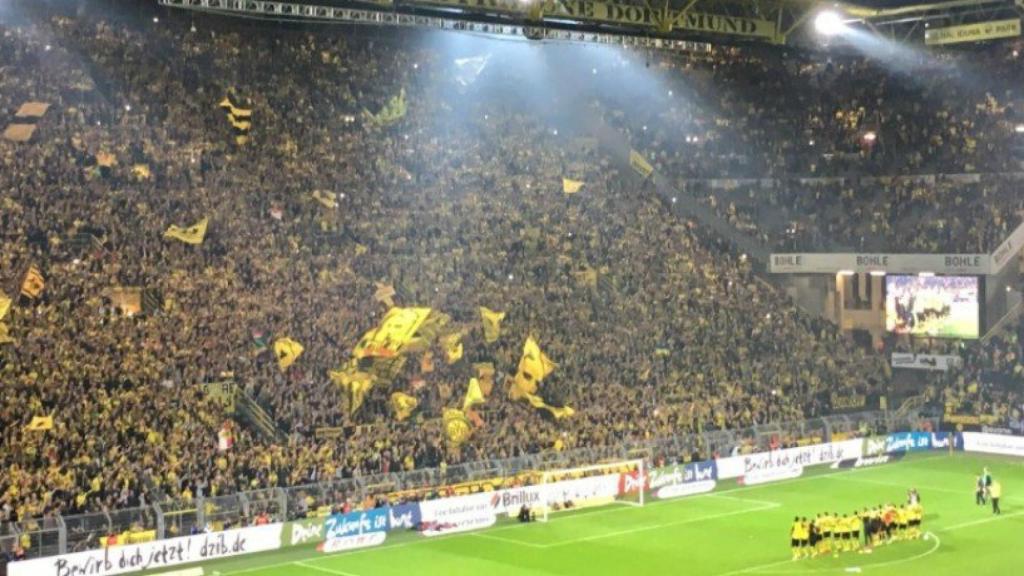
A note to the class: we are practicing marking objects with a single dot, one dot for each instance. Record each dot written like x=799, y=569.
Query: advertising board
x=154, y=555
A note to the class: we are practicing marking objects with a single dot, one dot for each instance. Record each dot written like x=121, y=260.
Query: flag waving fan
x=403, y=404
x=533, y=367
x=33, y=284
x=571, y=186
x=452, y=347
x=356, y=384
x=492, y=324
x=456, y=426
x=474, y=395
x=194, y=234
x=287, y=352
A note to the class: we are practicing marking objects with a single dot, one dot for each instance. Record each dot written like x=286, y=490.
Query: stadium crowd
x=816, y=154
x=656, y=328
x=986, y=388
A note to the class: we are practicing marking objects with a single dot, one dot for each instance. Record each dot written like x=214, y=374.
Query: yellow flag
x=453, y=347
x=192, y=235
x=392, y=112
x=5, y=337
x=326, y=199
x=533, y=367
x=287, y=352
x=33, y=284
x=40, y=423
x=384, y=293
x=484, y=370
x=474, y=395
x=106, y=159
x=587, y=276
x=640, y=164
x=557, y=412
x=571, y=186
x=141, y=172
x=492, y=323
x=5, y=305
x=234, y=107
x=403, y=405
x=397, y=329
x=456, y=426
x=356, y=384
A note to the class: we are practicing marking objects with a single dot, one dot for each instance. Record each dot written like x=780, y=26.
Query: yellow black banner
x=663, y=20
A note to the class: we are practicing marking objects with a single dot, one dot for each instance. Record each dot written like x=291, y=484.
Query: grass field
x=735, y=530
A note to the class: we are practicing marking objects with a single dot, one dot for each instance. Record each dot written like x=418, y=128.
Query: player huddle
x=859, y=531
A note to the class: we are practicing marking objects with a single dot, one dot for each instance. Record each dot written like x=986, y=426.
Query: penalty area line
x=486, y=536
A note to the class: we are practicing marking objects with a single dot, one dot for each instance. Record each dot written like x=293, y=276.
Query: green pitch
x=733, y=531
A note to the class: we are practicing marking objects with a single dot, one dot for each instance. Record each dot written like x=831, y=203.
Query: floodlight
x=829, y=23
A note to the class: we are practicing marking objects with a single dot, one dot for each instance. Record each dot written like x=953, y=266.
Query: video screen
x=937, y=306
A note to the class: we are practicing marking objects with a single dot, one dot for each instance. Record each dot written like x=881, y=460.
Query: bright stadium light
x=1019, y=128
x=829, y=23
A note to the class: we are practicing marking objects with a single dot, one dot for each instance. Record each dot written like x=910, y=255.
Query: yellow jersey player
x=839, y=534
x=916, y=515
x=805, y=538
x=794, y=537
x=827, y=524
x=855, y=527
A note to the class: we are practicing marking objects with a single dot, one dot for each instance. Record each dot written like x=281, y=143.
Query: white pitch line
x=724, y=496
x=486, y=536
x=965, y=493
x=979, y=522
x=659, y=526
x=325, y=570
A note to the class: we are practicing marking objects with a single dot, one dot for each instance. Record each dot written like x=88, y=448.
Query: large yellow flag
x=287, y=352
x=456, y=426
x=571, y=186
x=492, y=323
x=557, y=412
x=192, y=235
x=474, y=395
x=453, y=347
x=397, y=329
x=33, y=284
x=5, y=305
x=403, y=404
x=40, y=423
x=533, y=367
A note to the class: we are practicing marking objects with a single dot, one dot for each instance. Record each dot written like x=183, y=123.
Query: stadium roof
x=771, y=21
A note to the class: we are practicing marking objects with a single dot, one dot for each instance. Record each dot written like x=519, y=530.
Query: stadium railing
x=63, y=534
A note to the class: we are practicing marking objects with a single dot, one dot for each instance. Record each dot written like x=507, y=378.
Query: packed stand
x=812, y=152
x=656, y=329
